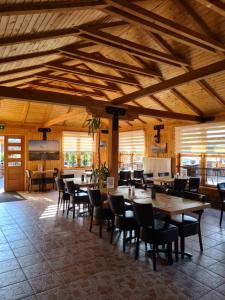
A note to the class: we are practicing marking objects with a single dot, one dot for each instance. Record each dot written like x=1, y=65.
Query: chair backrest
x=60, y=184
x=125, y=175
x=95, y=197
x=138, y=174
x=67, y=176
x=144, y=214
x=194, y=183
x=179, y=185
x=70, y=186
x=56, y=172
x=195, y=196
x=146, y=176
x=28, y=173
x=117, y=205
x=221, y=189
x=162, y=174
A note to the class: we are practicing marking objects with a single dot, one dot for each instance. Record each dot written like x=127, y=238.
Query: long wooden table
x=164, y=203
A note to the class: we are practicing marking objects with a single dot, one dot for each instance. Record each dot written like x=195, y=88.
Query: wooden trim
x=65, y=99
x=59, y=119
x=37, y=68
x=165, y=26
x=89, y=73
x=173, y=82
x=71, y=53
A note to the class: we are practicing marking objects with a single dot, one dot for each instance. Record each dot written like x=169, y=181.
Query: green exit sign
x=2, y=126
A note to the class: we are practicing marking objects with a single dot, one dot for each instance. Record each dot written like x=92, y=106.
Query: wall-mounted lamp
x=157, y=136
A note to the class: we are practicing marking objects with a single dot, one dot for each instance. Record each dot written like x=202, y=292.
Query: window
x=78, y=148
x=131, y=149
x=202, y=149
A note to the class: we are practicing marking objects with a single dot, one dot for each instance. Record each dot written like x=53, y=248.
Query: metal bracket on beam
x=116, y=112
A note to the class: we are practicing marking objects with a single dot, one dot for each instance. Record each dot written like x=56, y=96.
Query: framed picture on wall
x=159, y=148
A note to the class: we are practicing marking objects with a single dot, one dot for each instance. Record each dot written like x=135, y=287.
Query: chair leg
x=137, y=244
x=169, y=254
x=221, y=215
x=73, y=210
x=182, y=246
x=154, y=256
x=91, y=220
x=200, y=238
x=146, y=246
x=112, y=233
x=59, y=198
x=100, y=229
x=124, y=240
x=176, y=250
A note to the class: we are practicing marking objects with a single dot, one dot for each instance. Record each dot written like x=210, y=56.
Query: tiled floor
x=44, y=255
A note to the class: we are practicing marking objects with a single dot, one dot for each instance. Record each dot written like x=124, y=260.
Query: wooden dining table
x=165, y=179
x=164, y=203
x=78, y=181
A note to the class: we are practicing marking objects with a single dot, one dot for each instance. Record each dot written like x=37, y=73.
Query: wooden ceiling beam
x=48, y=7
x=202, y=83
x=35, y=55
x=173, y=82
x=60, y=119
x=95, y=86
x=62, y=89
x=158, y=24
x=216, y=5
x=110, y=40
x=92, y=74
x=71, y=100
x=92, y=58
x=35, y=69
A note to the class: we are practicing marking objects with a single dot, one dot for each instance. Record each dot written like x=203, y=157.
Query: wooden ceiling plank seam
x=25, y=111
x=175, y=81
x=165, y=23
x=71, y=100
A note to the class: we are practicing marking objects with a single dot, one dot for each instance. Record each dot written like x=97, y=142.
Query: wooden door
x=14, y=163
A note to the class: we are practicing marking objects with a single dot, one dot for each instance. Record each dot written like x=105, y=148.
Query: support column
x=113, y=151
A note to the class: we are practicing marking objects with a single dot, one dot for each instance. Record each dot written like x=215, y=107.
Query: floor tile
x=16, y=291
x=45, y=282
x=38, y=269
x=9, y=265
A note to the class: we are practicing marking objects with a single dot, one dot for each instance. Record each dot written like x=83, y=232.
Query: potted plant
x=101, y=172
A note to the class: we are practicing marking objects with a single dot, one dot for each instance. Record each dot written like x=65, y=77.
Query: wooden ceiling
x=161, y=59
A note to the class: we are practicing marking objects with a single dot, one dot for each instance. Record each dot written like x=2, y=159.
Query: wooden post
x=113, y=151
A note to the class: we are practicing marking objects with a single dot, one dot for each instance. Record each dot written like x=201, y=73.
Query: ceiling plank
x=71, y=100
x=92, y=58
x=108, y=39
x=93, y=74
x=95, y=86
x=215, y=5
x=159, y=24
x=173, y=82
x=48, y=7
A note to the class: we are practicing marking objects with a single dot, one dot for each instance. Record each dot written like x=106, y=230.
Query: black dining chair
x=193, y=184
x=124, y=219
x=63, y=196
x=77, y=198
x=221, y=189
x=178, y=187
x=124, y=178
x=33, y=180
x=155, y=232
x=189, y=225
x=97, y=209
